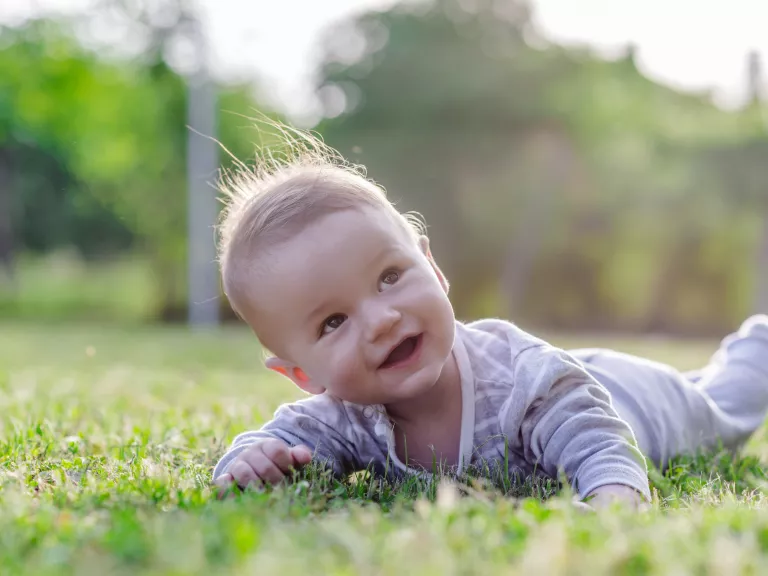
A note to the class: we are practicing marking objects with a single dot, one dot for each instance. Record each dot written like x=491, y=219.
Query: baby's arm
x=562, y=420
x=319, y=423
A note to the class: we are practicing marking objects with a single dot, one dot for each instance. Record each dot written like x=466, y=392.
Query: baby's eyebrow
x=384, y=253
x=317, y=310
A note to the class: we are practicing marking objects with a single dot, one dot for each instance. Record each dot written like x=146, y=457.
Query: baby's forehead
x=304, y=265
x=355, y=230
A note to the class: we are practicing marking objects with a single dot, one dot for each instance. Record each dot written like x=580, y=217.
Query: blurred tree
x=41, y=73
x=97, y=146
x=445, y=106
x=561, y=180
x=6, y=221
x=740, y=169
x=562, y=188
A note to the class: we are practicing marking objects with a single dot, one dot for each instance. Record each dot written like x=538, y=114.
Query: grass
x=108, y=437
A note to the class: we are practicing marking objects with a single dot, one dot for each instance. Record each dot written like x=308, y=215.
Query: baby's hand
x=265, y=462
x=604, y=496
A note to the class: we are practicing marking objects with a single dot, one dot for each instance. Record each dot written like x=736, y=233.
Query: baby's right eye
x=331, y=323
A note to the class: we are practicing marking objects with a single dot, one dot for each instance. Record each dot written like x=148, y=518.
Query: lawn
x=108, y=437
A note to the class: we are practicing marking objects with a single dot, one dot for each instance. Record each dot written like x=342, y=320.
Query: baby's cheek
x=443, y=323
x=343, y=371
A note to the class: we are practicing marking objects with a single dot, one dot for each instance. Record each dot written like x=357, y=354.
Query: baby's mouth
x=403, y=352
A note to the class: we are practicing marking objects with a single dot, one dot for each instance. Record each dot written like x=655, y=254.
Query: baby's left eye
x=390, y=277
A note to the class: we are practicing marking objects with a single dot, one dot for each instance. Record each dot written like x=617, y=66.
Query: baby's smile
x=404, y=354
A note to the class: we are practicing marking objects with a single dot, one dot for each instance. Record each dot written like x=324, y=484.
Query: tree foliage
x=97, y=149
x=562, y=188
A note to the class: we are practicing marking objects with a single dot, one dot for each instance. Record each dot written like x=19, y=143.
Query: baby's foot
x=756, y=325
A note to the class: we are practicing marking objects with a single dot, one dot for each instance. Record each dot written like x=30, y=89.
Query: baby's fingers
x=225, y=485
x=583, y=507
x=265, y=468
x=279, y=454
x=244, y=474
x=301, y=456
x=224, y=481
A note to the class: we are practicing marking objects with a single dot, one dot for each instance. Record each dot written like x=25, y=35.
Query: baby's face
x=358, y=306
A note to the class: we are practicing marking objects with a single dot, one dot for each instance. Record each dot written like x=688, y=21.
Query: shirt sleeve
x=319, y=422
x=561, y=419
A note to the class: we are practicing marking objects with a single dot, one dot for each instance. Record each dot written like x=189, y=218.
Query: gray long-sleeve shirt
x=519, y=394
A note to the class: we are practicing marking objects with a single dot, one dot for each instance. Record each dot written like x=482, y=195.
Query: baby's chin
x=383, y=393
x=418, y=383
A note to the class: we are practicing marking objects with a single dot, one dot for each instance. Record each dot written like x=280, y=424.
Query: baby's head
x=338, y=285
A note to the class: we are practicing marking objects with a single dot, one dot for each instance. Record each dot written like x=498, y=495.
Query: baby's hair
x=285, y=191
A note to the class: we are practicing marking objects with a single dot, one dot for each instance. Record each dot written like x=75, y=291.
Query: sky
x=690, y=44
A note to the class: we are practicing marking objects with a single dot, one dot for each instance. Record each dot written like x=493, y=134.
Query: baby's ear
x=295, y=374
x=424, y=245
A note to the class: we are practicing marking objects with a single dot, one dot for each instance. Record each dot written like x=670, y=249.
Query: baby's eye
x=388, y=278
x=331, y=323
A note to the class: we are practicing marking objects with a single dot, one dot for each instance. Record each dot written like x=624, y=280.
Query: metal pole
x=202, y=166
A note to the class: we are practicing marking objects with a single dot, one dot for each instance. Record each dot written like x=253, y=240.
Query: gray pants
x=672, y=412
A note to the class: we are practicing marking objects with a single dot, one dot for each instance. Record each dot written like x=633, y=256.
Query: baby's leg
x=674, y=413
x=736, y=379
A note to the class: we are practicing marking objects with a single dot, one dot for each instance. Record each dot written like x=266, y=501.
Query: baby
x=343, y=291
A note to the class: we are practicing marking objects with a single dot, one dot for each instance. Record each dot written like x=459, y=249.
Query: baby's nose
x=381, y=321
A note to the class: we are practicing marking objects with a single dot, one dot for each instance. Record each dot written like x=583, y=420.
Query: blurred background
x=583, y=166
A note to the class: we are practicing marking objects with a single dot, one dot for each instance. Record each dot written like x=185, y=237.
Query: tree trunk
x=671, y=272
x=523, y=251
x=6, y=215
x=171, y=307
x=760, y=300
